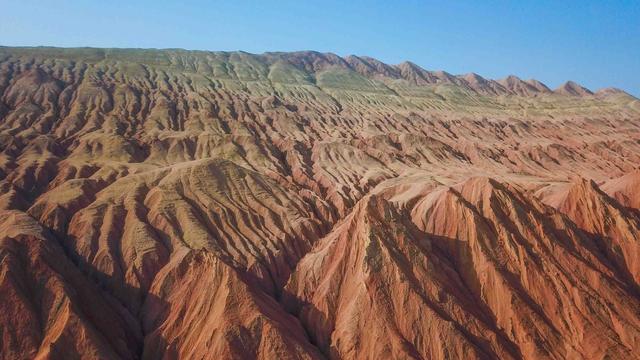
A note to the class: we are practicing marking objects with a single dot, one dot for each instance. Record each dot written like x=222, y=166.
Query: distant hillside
x=351, y=81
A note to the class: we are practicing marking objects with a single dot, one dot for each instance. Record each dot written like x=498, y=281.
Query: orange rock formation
x=200, y=205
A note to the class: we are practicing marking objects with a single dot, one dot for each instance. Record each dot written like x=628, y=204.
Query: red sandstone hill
x=209, y=205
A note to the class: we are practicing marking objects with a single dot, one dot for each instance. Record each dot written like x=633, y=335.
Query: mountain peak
x=611, y=91
x=410, y=65
x=538, y=85
x=573, y=89
x=518, y=86
x=417, y=75
x=512, y=79
x=369, y=66
x=473, y=77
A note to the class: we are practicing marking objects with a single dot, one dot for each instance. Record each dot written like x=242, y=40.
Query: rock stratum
x=171, y=204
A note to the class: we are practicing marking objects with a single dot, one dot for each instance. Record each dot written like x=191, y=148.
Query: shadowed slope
x=49, y=310
x=617, y=229
x=477, y=263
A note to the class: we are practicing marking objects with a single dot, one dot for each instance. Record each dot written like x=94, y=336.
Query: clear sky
x=596, y=43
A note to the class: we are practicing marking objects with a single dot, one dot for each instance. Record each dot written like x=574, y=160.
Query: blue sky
x=596, y=43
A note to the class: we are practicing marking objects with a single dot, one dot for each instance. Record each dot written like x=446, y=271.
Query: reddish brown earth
x=197, y=205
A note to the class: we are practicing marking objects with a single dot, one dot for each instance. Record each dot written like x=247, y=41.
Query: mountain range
x=173, y=204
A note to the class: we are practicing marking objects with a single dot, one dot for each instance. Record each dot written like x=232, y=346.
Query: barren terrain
x=210, y=205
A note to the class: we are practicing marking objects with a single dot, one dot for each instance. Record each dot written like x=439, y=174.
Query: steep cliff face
x=49, y=309
x=478, y=270
x=615, y=227
x=625, y=189
x=176, y=204
x=377, y=287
